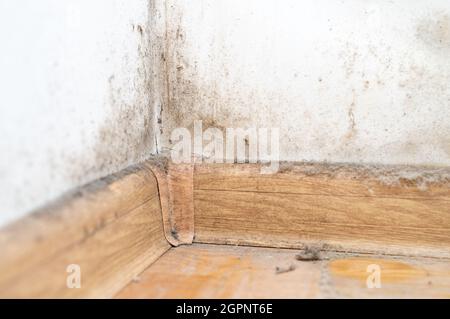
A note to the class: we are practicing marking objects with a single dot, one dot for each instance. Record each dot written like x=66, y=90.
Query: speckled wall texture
x=90, y=87
x=344, y=80
x=75, y=98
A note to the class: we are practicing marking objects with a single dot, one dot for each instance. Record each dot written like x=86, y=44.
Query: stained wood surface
x=346, y=209
x=176, y=189
x=111, y=228
x=204, y=271
x=216, y=271
x=181, y=188
x=116, y=227
x=328, y=179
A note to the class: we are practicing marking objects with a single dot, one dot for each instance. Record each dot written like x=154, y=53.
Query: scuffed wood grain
x=112, y=228
x=215, y=271
x=235, y=204
x=204, y=271
x=328, y=179
x=176, y=189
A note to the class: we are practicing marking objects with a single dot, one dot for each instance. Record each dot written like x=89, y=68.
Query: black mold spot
x=174, y=234
x=140, y=29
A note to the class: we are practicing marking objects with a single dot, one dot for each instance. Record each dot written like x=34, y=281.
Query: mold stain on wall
x=374, y=82
x=434, y=31
x=191, y=98
x=126, y=135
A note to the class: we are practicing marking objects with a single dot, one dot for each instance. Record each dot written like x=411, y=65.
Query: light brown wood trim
x=175, y=183
x=181, y=188
x=111, y=228
x=342, y=208
x=328, y=179
x=116, y=227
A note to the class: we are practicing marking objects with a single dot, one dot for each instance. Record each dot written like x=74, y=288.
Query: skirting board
x=112, y=229
x=116, y=227
x=176, y=190
x=388, y=210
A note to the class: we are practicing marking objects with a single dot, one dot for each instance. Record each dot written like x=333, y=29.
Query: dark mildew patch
x=434, y=31
x=126, y=135
x=389, y=175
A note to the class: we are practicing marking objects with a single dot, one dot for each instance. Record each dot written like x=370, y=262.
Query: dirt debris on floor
x=281, y=270
x=310, y=253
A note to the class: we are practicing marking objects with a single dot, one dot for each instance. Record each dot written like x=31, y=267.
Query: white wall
x=83, y=83
x=344, y=80
x=75, y=102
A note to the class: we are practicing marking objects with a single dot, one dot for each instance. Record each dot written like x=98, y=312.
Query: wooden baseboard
x=111, y=228
x=116, y=227
x=391, y=210
x=176, y=189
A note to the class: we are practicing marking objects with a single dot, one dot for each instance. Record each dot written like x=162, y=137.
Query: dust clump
x=311, y=253
x=282, y=270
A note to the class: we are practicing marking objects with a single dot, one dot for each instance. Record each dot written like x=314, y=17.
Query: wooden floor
x=220, y=271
